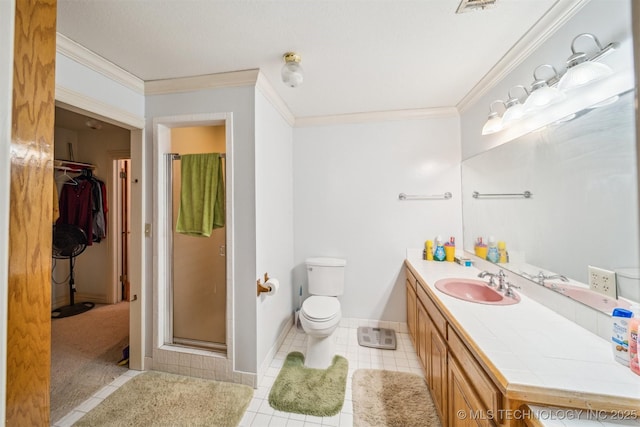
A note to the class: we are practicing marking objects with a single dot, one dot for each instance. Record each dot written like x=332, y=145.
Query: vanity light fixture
x=581, y=69
x=515, y=109
x=291, y=70
x=542, y=91
x=494, y=122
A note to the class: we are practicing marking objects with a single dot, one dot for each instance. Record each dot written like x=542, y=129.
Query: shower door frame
x=163, y=334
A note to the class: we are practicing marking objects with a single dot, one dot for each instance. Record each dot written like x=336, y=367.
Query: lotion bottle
x=620, y=319
x=492, y=252
x=634, y=340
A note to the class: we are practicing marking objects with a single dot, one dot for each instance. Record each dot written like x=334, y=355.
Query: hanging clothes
x=84, y=204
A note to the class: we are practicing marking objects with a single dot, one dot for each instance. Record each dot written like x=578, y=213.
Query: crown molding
x=67, y=47
x=207, y=81
x=544, y=28
x=82, y=104
x=266, y=88
x=377, y=116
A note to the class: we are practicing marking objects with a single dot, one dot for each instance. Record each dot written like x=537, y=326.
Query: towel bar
x=403, y=196
x=526, y=195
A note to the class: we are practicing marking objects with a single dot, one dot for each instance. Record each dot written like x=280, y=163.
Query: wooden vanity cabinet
x=411, y=283
x=456, y=380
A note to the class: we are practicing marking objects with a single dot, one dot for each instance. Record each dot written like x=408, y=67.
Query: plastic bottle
x=503, y=255
x=492, y=252
x=439, y=254
x=620, y=319
x=634, y=340
x=428, y=249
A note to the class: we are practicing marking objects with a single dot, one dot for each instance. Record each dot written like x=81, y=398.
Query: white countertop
x=530, y=344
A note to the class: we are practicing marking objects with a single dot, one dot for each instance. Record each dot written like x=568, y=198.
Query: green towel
x=201, y=194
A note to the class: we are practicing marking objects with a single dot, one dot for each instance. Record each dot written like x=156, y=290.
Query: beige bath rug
x=161, y=399
x=387, y=398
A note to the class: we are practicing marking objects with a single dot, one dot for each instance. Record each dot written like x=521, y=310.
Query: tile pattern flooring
x=261, y=414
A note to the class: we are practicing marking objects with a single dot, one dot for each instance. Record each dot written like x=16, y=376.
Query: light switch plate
x=603, y=281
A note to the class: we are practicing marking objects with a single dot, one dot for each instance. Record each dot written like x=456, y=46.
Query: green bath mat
x=308, y=391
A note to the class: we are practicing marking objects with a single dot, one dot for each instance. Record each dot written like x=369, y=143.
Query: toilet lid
x=319, y=307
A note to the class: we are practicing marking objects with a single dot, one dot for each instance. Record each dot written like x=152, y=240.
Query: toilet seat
x=320, y=308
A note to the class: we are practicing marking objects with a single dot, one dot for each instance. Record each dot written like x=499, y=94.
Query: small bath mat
x=309, y=391
x=389, y=398
x=377, y=338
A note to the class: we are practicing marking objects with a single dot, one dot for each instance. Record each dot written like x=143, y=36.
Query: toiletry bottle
x=438, y=254
x=620, y=319
x=428, y=247
x=502, y=252
x=634, y=345
x=492, y=251
x=480, y=249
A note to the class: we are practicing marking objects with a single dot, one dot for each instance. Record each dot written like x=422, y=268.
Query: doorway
x=88, y=349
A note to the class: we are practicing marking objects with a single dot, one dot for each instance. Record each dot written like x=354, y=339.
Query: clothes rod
x=176, y=156
x=526, y=195
x=444, y=196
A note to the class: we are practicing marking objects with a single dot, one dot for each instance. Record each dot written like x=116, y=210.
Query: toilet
x=320, y=313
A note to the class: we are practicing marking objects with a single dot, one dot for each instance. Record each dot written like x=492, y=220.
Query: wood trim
x=30, y=205
x=209, y=81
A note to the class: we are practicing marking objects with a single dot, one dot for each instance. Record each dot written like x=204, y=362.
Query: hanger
x=70, y=180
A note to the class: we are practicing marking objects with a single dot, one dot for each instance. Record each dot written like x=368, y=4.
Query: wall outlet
x=603, y=281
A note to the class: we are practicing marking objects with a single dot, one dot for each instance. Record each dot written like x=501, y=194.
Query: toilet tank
x=326, y=276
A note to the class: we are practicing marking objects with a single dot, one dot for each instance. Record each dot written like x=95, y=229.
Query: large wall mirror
x=583, y=211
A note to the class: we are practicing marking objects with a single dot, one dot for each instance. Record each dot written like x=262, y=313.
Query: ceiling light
x=291, y=70
x=93, y=124
x=467, y=5
x=542, y=94
x=515, y=109
x=494, y=122
x=581, y=69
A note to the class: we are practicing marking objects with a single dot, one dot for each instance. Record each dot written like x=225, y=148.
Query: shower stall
x=197, y=279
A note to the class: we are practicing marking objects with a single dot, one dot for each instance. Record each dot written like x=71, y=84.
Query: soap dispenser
x=439, y=254
x=492, y=252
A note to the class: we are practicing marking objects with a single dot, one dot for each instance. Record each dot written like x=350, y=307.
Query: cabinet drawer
x=411, y=279
x=485, y=389
x=437, y=317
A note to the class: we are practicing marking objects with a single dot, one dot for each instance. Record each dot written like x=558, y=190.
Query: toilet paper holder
x=261, y=287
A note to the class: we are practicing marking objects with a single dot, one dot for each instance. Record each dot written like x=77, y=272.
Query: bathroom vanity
x=489, y=365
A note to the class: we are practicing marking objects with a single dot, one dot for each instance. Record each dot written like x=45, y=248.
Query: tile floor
x=261, y=414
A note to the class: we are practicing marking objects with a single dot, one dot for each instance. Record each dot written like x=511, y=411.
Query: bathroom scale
x=377, y=338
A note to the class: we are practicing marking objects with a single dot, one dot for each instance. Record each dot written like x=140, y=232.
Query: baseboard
x=272, y=352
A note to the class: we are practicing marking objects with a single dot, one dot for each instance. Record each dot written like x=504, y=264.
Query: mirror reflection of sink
x=588, y=297
x=474, y=291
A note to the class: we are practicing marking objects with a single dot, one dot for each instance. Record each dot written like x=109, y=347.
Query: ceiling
x=357, y=55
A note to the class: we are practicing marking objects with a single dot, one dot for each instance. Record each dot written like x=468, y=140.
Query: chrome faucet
x=501, y=277
x=509, y=292
x=541, y=277
x=492, y=277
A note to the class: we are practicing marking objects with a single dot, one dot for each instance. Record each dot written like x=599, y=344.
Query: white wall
x=346, y=184
x=274, y=223
x=239, y=101
x=76, y=78
x=7, y=15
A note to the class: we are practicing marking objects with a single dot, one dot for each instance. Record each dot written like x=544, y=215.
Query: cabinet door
x=465, y=409
x=411, y=313
x=438, y=371
x=422, y=340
